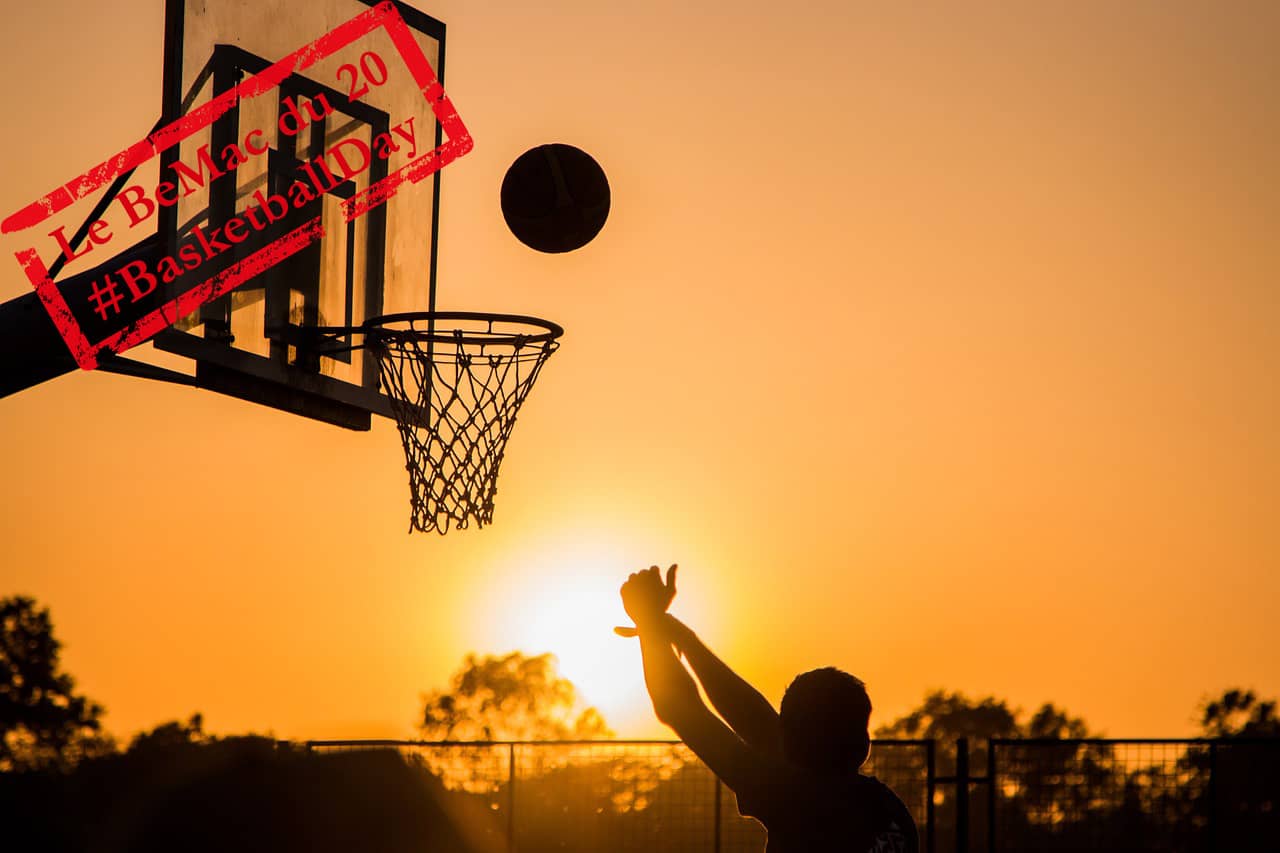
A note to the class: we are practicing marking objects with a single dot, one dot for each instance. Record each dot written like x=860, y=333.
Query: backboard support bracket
x=123, y=366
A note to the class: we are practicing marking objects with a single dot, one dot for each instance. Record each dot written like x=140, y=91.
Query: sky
x=936, y=343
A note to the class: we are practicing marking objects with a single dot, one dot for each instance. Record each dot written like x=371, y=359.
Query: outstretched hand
x=646, y=598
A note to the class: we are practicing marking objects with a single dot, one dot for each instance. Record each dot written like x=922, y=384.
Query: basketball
x=555, y=198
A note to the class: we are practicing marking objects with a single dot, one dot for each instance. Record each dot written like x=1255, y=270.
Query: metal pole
x=716, y=839
x=511, y=798
x=993, y=786
x=962, y=795
x=1213, y=796
x=930, y=788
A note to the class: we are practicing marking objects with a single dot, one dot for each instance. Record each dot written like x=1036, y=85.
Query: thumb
x=626, y=632
x=671, y=578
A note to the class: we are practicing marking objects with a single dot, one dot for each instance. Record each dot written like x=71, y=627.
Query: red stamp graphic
x=275, y=221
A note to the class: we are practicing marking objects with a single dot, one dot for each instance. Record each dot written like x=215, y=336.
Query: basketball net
x=455, y=395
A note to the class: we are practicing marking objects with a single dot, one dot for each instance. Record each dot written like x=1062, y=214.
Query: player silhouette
x=796, y=770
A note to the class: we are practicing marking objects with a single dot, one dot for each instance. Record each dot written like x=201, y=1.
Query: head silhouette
x=824, y=717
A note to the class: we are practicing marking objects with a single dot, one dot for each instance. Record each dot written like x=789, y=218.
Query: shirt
x=806, y=813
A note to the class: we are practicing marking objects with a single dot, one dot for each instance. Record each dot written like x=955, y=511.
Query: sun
x=574, y=622
x=568, y=605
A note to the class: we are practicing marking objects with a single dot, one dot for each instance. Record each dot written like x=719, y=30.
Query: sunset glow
x=935, y=343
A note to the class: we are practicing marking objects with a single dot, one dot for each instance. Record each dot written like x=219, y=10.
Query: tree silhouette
x=173, y=735
x=245, y=794
x=946, y=717
x=508, y=697
x=43, y=722
x=1028, y=801
x=1236, y=783
x=1239, y=713
x=512, y=697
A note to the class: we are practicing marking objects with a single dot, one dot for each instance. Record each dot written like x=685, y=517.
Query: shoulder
x=895, y=829
x=877, y=791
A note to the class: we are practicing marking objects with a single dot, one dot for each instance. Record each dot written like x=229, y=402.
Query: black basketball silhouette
x=555, y=198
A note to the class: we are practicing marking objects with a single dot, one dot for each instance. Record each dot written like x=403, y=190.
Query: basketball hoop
x=456, y=380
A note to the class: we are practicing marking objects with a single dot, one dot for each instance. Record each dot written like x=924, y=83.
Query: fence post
x=1213, y=796
x=992, y=789
x=930, y=786
x=716, y=838
x=511, y=798
x=962, y=795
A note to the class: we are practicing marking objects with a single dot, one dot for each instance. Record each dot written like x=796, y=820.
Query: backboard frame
x=273, y=381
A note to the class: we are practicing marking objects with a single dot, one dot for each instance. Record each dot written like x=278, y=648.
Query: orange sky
x=934, y=344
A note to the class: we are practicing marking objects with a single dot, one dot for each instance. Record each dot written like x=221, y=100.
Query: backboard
x=310, y=202
x=275, y=235
x=322, y=123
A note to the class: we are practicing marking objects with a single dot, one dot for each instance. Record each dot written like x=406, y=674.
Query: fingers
x=653, y=576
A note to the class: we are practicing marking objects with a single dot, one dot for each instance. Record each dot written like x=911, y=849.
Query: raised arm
x=675, y=696
x=749, y=714
x=742, y=706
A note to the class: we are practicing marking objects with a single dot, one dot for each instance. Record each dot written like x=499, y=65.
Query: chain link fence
x=1004, y=795
x=617, y=796
x=1135, y=795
